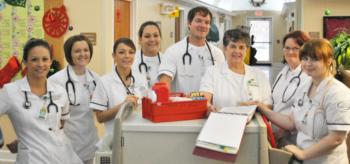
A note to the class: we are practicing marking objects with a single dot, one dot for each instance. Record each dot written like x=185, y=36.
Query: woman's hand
x=297, y=152
x=260, y=105
x=132, y=99
x=211, y=108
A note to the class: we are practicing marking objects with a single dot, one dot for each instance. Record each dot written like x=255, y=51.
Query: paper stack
x=222, y=133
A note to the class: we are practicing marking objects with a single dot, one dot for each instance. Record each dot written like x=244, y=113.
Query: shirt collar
x=295, y=71
x=115, y=76
x=24, y=85
x=73, y=76
x=225, y=70
x=321, y=89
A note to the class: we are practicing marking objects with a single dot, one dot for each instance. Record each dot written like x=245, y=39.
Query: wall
x=313, y=12
x=278, y=29
x=99, y=21
x=150, y=10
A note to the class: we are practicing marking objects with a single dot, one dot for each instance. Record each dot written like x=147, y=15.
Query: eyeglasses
x=308, y=58
x=293, y=49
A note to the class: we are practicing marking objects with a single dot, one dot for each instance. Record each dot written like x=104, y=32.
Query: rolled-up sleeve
x=168, y=65
x=99, y=99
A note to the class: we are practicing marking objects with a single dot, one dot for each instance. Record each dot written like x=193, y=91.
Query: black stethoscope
x=144, y=65
x=297, y=78
x=27, y=104
x=189, y=56
x=70, y=83
x=128, y=92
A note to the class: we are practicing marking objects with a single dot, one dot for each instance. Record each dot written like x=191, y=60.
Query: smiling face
x=291, y=53
x=235, y=52
x=199, y=26
x=316, y=68
x=316, y=56
x=124, y=56
x=150, y=40
x=38, y=62
x=81, y=55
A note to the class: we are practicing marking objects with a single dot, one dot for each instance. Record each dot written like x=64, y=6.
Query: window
x=261, y=29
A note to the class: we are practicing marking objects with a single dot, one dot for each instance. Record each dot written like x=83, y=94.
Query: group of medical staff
x=53, y=118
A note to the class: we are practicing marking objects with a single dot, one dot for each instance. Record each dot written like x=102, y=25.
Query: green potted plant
x=341, y=44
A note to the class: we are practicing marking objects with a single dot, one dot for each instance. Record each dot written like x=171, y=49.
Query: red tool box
x=173, y=111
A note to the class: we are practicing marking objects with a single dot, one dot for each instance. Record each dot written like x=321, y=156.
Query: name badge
x=42, y=113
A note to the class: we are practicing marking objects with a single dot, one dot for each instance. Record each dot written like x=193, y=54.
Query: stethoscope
x=189, y=56
x=128, y=92
x=27, y=104
x=144, y=65
x=70, y=83
x=290, y=82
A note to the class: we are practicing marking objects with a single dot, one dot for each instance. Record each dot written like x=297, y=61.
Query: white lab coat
x=315, y=117
x=283, y=98
x=80, y=127
x=186, y=78
x=152, y=64
x=112, y=92
x=38, y=144
x=281, y=83
x=229, y=88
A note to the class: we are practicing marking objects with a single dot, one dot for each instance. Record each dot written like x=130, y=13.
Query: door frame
x=271, y=48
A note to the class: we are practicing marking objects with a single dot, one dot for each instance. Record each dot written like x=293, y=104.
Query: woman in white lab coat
x=321, y=109
x=233, y=82
x=37, y=109
x=119, y=86
x=148, y=58
x=79, y=83
x=287, y=82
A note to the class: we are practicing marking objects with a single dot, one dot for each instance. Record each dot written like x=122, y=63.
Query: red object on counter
x=173, y=111
x=162, y=92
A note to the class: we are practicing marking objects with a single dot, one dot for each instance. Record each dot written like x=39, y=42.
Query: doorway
x=179, y=28
x=261, y=29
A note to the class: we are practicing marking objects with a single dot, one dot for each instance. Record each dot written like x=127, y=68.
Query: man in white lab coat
x=184, y=63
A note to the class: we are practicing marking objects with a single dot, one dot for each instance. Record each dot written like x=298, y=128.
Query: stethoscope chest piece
x=26, y=105
x=300, y=102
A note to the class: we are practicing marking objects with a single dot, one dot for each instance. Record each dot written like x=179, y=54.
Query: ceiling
x=243, y=5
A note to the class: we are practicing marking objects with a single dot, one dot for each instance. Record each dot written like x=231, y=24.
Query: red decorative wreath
x=56, y=21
